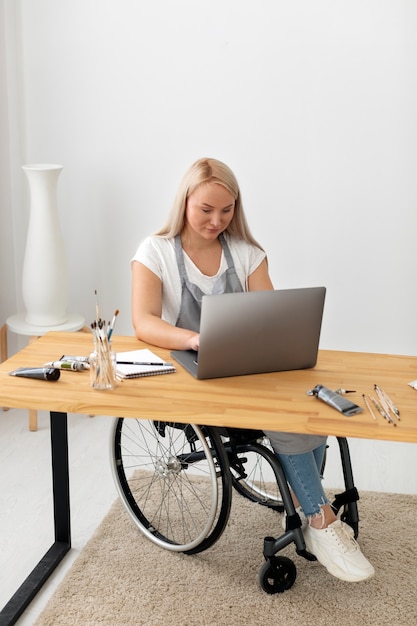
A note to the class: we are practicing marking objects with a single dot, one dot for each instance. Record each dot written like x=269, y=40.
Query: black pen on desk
x=165, y=364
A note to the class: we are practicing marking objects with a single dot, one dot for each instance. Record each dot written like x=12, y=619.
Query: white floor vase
x=45, y=273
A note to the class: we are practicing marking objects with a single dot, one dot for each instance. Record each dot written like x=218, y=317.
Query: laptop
x=255, y=332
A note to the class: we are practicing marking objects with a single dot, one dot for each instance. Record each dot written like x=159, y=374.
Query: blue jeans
x=302, y=472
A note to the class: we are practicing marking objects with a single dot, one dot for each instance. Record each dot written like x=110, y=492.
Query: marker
x=75, y=366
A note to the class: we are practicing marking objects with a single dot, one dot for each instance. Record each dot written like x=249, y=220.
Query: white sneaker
x=338, y=551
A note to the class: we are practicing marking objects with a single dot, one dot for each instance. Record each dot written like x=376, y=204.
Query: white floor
x=26, y=518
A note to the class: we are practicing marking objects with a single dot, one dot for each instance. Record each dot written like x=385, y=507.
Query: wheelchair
x=176, y=483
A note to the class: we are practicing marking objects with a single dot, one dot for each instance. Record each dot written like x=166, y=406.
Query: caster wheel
x=277, y=575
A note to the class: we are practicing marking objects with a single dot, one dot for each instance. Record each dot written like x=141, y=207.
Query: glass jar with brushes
x=102, y=361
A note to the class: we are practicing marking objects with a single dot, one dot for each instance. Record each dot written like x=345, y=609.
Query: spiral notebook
x=137, y=363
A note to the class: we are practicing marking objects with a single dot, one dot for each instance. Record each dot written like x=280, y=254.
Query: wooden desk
x=275, y=401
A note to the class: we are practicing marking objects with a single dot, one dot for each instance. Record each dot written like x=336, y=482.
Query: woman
x=206, y=247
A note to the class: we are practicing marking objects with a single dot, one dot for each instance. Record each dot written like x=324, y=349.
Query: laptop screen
x=257, y=331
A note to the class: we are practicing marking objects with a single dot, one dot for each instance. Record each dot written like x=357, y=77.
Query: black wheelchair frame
x=176, y=482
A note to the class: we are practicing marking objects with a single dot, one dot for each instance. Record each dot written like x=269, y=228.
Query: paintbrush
x=111, y=327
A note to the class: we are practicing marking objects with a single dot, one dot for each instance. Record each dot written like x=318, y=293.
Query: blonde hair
x=202, y=172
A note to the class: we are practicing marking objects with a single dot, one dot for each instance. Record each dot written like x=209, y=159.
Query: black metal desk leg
x=61, y=502
x=60, y=477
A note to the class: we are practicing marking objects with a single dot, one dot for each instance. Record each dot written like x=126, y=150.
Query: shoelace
x=342, y=537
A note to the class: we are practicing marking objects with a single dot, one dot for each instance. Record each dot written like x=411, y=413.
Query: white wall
x=313, y=104
x=7, y=269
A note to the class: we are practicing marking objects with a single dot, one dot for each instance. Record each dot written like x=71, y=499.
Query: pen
x=165, y=364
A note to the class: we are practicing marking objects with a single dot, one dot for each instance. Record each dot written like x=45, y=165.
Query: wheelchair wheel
x=251, y=467
x=277, y=574
x=174, y=481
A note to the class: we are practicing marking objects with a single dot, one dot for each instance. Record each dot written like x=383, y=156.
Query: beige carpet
x=122, y=579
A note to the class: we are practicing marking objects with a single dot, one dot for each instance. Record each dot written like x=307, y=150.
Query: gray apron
x=191, y=294
x=189, y=318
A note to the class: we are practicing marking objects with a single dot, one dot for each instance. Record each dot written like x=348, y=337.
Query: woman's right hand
x=194, y=342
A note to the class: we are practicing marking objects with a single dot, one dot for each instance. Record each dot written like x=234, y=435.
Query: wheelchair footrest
x=348, y=496
x=306, y=555
x=292, y=522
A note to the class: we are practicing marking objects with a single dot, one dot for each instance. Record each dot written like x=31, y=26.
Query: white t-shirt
x=158, y=255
